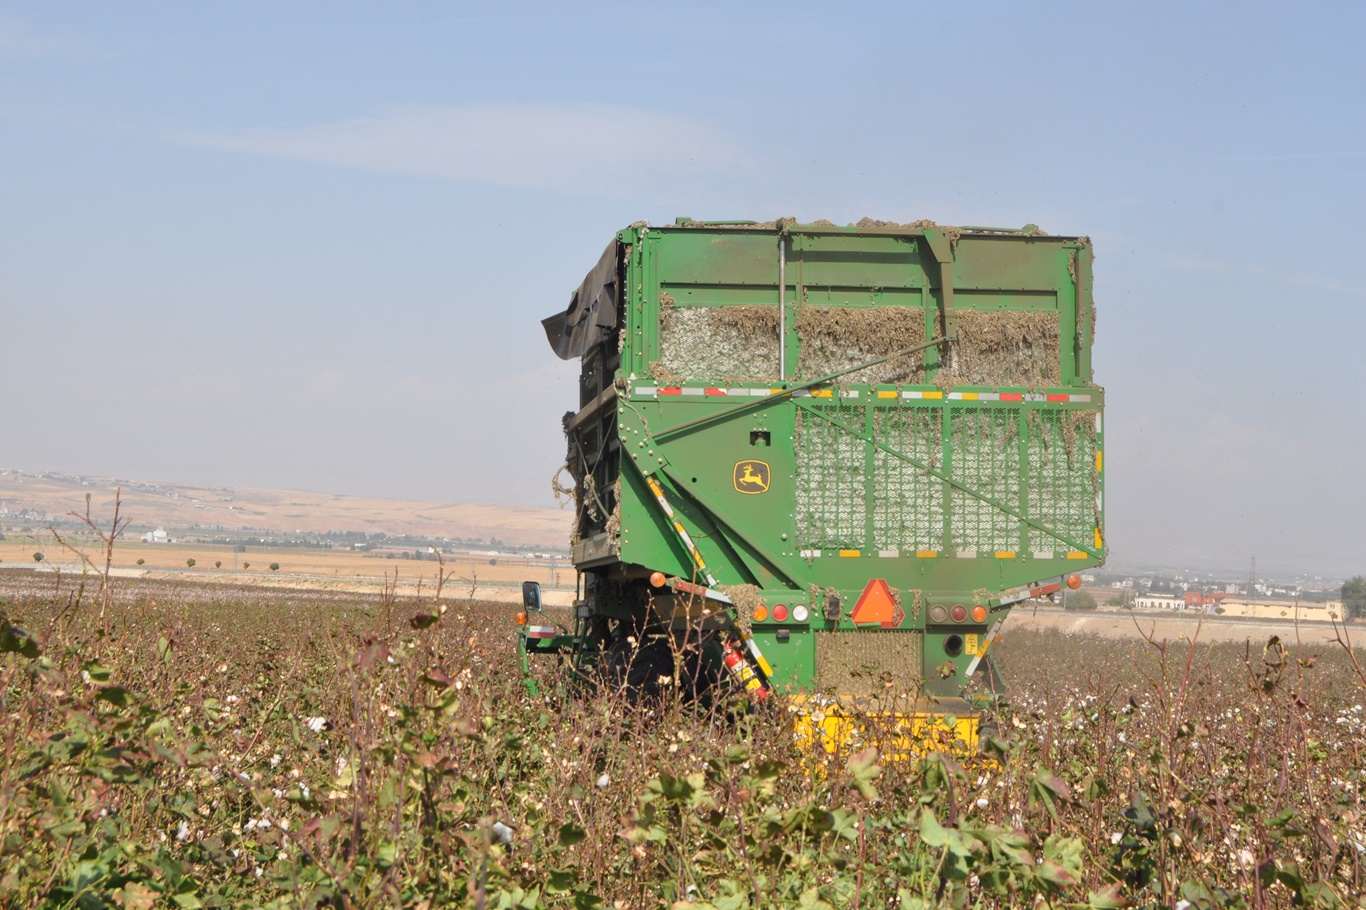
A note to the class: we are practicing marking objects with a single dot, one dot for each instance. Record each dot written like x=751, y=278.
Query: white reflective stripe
x=1043, y=554
x=809, y=554
x=694, y=391
x=966, y=554
x=893, y=553
x=646, y=390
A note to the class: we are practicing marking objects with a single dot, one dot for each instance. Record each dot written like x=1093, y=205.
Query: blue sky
x=244, y=244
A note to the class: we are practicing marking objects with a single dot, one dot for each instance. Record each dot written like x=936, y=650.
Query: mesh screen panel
x=830, y=490
x=1056, y=486
x=986, y=458
x=1061, y=477
x=910, y=507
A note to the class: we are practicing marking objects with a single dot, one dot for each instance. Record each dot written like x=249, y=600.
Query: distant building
x=1159, y=602
x=157, y=536
x=1281, y=609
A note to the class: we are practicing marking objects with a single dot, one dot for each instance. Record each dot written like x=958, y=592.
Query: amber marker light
x=1074, y=582
x=657, y=579
x=521, y=618
x=760, y=613
x=979, y=613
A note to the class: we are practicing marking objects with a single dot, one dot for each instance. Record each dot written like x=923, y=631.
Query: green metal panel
x=954, y=492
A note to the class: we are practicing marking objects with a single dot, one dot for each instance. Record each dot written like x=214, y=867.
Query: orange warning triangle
x=876, y=604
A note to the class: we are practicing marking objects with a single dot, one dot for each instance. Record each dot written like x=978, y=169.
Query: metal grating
x=864, y=664
x=986, y=459
x=1056, y=486
x=910, y=508
x=1061, y=477
x=830, y=484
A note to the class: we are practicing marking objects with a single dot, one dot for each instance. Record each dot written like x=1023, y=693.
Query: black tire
x=635, y=668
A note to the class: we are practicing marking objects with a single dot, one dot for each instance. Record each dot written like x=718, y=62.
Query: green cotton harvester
x=824, y=462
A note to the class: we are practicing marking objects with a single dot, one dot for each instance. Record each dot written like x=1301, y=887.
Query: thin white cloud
x=575, y=148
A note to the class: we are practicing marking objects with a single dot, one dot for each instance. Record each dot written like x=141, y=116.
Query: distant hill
x=27, y=498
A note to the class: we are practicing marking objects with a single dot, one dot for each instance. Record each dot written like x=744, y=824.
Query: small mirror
x=531, y=596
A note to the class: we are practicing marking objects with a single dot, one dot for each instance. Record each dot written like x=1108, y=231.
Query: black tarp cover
x=592, y=310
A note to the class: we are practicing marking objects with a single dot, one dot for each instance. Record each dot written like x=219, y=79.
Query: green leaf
x=424, y=620
x=931, y=832
x=14, y=640
x=188, y=901
x=863, y=768
x=116, y=695
x=1110, y=897
x=97, y=672
x=164, y=648
x=571, y=834
x=560, y=881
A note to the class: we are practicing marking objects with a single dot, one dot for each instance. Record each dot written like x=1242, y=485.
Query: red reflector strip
x=1055, y=397
x=714, y=391
x=672, y=390
x=540, y=631
x=1012, y=396
x=1046, y=589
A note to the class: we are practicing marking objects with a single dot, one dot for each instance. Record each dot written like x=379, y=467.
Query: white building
x=1159, y=602
x=157, y=536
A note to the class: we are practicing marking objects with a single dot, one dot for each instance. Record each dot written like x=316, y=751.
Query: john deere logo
x=751, y=476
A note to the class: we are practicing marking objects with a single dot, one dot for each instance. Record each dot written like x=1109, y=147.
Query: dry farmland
x=191, y=745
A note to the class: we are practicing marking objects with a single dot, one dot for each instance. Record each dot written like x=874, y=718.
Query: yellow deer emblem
x=751, y=476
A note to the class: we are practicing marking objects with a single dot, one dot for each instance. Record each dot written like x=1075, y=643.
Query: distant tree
x=1080, y=600
x=189, y=563
x=246, y=565
x=37, y=557
x=141, y=561
x=1354, y=597
x=218, y=563
x=275, y=567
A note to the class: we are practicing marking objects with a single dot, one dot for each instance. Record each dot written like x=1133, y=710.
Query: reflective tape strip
x=1046, y=589
x=540, y=631
x=886, y=394
x=849, y=553
x=647, y=391
x=698, y=590
x=966, y=554
x=713, y=391
x=962, y=396
x=694, y=391
x=681, y=531
x=671, y=390
x=1012, y=396
x=889, y=554
x=656, y=489
x=1077, y=554
x=809, y=554
x=1005, y=554
x=926, y=554
x=1043, y=554
x=986, y=643
x=759, y=656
